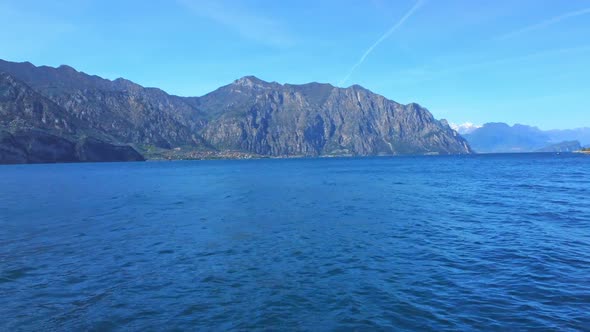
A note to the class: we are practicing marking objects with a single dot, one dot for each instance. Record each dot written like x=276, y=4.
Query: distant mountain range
x=60, y=114
x=581, y=135
x=500, y=137
x=465, y=128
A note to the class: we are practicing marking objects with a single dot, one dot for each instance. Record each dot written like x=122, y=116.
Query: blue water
x=493, y=242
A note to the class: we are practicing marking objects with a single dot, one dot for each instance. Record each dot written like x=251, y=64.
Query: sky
x=525, y=61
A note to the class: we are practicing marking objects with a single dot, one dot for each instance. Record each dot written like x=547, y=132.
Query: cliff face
x=34, y=129
x=567, y=146
x=319, y=119
x=119, y=110
x=22, y=107
x=30, y=146
x=94, y=150
x=247, y=116
x=33, y=146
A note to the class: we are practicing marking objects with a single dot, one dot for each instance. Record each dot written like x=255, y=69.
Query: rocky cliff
x=320, y=119
x=31, y=146
x=33, y=129
x=118, y=110
x=249, y=116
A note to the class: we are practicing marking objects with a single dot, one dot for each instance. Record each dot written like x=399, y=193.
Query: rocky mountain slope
x=120, y=110
x=21, y=107
x=28, y=146
x=33, y=129
x=249, y=117
x=319, y=119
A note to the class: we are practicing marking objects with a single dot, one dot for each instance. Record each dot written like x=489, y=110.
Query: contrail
x=546, y=23
x=380, y=40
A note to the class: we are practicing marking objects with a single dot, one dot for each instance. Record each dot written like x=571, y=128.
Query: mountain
x=567, y=146
x=497, y=137
x=249, y=117
x=120, y=111
x=319, y=119
x=500, y=137
x=33, y=129
x=579, y=134
x=21, y=107
x=465, y=128
x=26, y=146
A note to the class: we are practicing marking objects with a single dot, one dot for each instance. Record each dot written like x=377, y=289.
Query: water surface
x=491, y=242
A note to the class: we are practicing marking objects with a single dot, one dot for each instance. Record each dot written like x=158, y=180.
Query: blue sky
x=467, y=61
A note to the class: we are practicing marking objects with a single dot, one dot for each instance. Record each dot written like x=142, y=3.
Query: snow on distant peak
x=465, y=128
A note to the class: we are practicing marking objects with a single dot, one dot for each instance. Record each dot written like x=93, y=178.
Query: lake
x=485, y=242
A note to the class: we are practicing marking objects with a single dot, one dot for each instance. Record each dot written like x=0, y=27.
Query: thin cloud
x=526, y=57
x=380, y=40
x=424, y=74
x=545, y=23
x=247, y=23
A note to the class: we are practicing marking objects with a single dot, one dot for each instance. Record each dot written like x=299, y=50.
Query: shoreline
x=260, y=157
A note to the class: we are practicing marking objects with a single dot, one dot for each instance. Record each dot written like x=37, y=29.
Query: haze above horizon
x=525, y=62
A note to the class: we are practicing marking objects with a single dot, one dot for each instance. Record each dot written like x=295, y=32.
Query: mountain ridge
x=33, y=129
x=248, y=116
x=499, y=137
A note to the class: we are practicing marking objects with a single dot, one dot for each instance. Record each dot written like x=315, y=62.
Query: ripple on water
x=478, y=243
